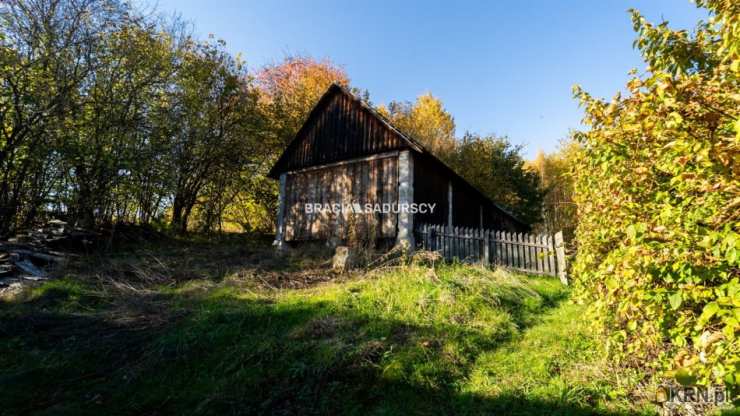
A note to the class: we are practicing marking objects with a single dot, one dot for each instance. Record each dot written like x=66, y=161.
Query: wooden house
x=347, y=155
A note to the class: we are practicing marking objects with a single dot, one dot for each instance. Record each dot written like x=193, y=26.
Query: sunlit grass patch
x=457, y=339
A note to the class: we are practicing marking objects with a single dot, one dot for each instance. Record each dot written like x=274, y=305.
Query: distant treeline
x=110, y=113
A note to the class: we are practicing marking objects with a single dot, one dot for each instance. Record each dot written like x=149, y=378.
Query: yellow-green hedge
x=658, y=192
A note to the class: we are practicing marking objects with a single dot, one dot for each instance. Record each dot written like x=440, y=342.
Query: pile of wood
x=34, y=254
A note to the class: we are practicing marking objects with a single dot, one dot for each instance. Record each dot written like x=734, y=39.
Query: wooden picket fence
x=531, y=253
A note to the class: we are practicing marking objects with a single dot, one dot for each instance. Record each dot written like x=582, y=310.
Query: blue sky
x=502, y=67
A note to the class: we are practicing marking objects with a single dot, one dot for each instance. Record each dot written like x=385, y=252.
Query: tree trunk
x=181, y=209
x=177, y=207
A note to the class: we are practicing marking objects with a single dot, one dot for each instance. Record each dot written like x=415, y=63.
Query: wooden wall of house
x=431, y=181
x=371, y=181
x=430, y=187
x=339, y=128
x=466, y=206
x=466, y=211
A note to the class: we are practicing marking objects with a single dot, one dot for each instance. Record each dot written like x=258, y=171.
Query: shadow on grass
x=237, y=356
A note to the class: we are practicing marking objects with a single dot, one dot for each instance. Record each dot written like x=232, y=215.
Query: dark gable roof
x=410, y=142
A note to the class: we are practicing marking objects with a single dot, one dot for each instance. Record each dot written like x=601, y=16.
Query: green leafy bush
x=659, y=203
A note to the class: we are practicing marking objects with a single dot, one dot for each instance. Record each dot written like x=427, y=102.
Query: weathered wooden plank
x=468, y=243
x=487, y=247
x=537, y=254
x=497, y=241
x=456, y=243
x=546, y=254
x=505, y=255
x=514, y=260
x=512, y=250
x=560, y=253
x=503, y=246
x=519, y=251
x=551, y=256
x=364, y=182
x=543, y=253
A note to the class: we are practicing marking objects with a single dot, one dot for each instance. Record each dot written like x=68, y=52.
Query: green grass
x=458, y=340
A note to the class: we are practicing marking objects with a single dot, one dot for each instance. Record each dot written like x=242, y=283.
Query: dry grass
x=230, y=327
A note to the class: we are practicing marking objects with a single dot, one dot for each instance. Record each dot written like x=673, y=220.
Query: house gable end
x=339, y=127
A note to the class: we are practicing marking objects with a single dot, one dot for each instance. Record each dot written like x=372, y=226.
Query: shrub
x=659, y=203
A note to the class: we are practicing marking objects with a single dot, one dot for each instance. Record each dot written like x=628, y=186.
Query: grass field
x=227, y=328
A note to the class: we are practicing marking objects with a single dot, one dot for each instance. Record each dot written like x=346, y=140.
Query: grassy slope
x=462, y=340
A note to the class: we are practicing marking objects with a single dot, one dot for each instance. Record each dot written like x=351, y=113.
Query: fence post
x=509, y=249
x=455, y=239
x=519, y=251
x=560, y=252
x=486, y=243
x=541, y=253
x=551, y=257
x=440, y=242
x=425, y=237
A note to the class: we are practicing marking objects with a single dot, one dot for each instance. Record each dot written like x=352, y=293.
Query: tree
x=656, y=185
x=106, y=133
x=47, y=52
x=497, y=168
x=109, y=115
x=290, y=89
x=558, y=208
x=490, y=163
x=425, y=120
x=287, y=92
x=214, y=110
